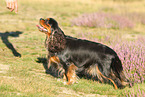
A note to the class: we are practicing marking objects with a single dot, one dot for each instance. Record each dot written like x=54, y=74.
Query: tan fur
x=94, y=70
x=48, y=27
x=71, y=74
x=53, y=59
x=106, y=78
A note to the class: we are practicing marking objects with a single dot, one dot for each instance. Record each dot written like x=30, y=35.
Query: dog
x=52, y=61
x=83, y=56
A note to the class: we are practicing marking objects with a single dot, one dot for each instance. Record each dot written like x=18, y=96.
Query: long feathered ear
x=57, y=41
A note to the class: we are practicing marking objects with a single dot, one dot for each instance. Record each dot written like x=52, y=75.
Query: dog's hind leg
x=116, y=80
x=125, y=81
x=118, y=75
x=100, y=74
x=93, y=71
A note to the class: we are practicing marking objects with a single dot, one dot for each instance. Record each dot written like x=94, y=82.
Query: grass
x=25, y=77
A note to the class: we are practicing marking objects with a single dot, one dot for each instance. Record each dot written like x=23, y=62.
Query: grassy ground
x=23, y=76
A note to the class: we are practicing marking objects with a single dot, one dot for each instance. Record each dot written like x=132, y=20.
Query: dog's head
x=56, y=38
x=47, y=25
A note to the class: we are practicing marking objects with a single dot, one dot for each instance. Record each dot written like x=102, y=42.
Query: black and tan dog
x=82, y=56
x=52, y=60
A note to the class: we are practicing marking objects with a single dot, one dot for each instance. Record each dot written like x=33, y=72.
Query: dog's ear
x=52, y=22
x=57, y=41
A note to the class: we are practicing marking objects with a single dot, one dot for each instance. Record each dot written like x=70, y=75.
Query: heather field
x=120, y=24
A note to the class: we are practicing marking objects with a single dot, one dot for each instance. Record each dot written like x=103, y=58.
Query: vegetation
x=21, y=44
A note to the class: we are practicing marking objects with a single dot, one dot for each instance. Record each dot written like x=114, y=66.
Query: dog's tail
x=117, y=69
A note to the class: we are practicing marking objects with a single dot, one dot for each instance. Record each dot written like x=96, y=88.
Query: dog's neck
x=56, y=41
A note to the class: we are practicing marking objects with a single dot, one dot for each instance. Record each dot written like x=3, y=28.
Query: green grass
x=25, y=77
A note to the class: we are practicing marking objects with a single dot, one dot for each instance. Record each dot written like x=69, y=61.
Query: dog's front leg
x=70, y=74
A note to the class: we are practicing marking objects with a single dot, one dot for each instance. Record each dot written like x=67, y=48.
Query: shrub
x=136, y=17
x=103, y=20
x=132, y=55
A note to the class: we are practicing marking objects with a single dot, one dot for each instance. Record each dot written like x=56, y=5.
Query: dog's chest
x=46, y=43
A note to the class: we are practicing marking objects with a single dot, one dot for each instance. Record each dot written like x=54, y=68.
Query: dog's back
x=85, y=54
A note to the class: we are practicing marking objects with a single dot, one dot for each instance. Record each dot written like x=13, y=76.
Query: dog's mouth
x=41, y=28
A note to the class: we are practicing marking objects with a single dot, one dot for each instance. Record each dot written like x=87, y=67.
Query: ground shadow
x=52, y=71
x=9, y=45
x=58, y=74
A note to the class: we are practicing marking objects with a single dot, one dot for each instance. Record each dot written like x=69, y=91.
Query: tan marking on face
x=48, y=27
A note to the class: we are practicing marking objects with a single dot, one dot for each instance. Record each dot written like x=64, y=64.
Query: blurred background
x=120, y=24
